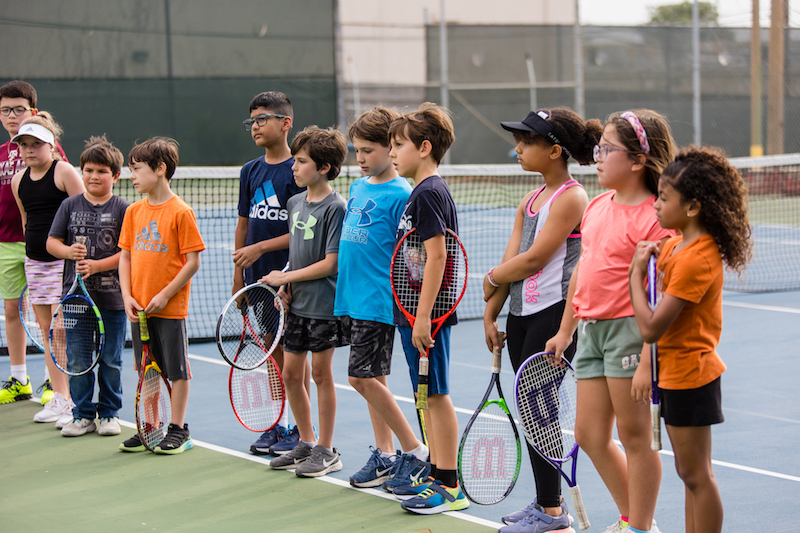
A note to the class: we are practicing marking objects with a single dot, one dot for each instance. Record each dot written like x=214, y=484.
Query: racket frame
x=144, y=336
x=655, y=406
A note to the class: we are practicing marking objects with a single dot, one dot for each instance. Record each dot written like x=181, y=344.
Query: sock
x=420, y=452
x=434, y=471
x=634, y=530
x=284, y=421
x=624, y=520
x=312, y=443
x=20, y=373
x=449, y=478
x=386, y=455
x=46, y=373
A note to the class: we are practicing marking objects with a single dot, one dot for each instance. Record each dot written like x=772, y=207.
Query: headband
x=634, y=121
x=36, y=131
x=537, y=123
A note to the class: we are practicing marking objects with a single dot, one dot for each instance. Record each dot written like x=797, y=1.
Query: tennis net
x=487, y=197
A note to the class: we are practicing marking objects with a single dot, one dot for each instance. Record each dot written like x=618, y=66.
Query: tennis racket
x=257, y=396
x=655, y=407
x=546, y=400
x=29, y=320
x=153, y=393
x=408, y=267
x=77, y=333
x=490, y=453
x=249, y=327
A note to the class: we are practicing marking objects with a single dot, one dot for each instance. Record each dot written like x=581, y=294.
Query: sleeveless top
x=549, y=285
x=41, y=199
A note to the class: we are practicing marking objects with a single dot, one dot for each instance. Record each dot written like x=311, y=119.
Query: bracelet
x=492, y=282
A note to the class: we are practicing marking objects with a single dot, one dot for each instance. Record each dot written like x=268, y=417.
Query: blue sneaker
x=437, y=499
x=406, y=471
x=290, y=439
x=515, y=517
x=375, y=472
x=269, y=438
x=538, y=521
x=406, y=492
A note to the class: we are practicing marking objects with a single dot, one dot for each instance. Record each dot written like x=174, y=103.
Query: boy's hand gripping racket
x=546, y=400
x=490, y=453
x=153, y=393
x=408, y=267
x=29, y=320
x=655, y=407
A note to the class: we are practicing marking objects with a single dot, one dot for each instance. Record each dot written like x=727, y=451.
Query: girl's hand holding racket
x=556, y=346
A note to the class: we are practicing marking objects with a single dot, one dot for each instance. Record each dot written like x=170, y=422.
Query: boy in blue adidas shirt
x=363, y=294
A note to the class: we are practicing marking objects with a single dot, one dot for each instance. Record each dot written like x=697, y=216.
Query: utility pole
x=756, y=139
x=775, y=91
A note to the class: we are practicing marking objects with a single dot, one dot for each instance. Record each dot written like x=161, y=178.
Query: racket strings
x=546, y=398
x=257, y=396
x=489, y=455
x=250, y=329
x=76, y=339
x=154, y=411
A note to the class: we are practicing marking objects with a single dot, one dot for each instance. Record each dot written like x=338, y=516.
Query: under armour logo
x=305, y=226
x=362, y=212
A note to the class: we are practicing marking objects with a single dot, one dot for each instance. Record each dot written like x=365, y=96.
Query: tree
x=681, y=14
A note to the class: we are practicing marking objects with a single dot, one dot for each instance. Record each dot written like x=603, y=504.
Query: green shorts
x=12, y=269
x=608, y=348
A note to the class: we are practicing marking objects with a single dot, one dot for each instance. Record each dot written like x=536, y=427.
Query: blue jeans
x=109, y=373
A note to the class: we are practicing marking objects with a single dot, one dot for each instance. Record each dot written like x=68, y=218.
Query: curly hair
x=659, y=136
x=577, y=136
x=704, y=174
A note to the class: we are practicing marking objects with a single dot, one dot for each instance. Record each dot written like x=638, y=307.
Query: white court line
x=762, y=307
x=468, y=412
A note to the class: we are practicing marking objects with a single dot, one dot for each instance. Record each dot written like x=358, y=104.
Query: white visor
x=37, y=131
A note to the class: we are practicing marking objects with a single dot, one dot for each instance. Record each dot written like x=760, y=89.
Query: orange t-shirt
x=687, y=354
x=158, y=238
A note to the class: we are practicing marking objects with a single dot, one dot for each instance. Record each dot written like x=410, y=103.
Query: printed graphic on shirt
x=306, y=227
x=352, y=233
x=149, y=239
x=265, y=204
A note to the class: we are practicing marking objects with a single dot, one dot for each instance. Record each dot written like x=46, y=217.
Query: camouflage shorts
x=371, y=346
x=312, y=334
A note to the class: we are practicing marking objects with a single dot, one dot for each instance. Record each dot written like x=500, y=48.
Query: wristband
x=492, y=282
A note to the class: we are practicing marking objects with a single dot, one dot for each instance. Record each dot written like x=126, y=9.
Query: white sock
x=46, y=373
x=385, y=455
x=20, y=373
x=284, y=421
x=420, y=452
x=311, y=444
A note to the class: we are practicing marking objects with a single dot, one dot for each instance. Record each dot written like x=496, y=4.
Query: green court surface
x=85, y=484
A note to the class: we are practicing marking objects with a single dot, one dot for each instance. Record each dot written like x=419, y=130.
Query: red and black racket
x=153, y=393
x=408, y=267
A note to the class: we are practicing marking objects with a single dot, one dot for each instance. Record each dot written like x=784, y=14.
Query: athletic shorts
x=608, y=348
x=44, y=280
x=371, y=345
x=692, y=407
x=438, y=360
x=12, y=270
x=312, y=334
x=169, y=345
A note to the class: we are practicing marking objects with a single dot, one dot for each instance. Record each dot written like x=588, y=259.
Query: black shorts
x=692, y=407
x=312, y=334
x=169, y=345
x=371, y=345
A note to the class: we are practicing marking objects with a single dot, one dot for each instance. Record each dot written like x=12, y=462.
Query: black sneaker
x=177, y=440
x=133, y=444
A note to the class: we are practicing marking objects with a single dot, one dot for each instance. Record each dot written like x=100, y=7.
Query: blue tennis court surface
x=757, y=471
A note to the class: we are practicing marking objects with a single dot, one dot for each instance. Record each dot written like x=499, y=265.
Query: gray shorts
x=169, y=345
x=608, y=348
x=371, y=346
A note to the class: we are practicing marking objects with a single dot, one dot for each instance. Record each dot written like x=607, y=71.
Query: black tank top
x=41, y=199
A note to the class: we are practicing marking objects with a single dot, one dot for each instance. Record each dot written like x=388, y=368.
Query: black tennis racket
x=408, y=267
x=490, y=452
x=257, y=396
x=655, y=407
x=153, y=395
x=250, y=325
x=77, y=333
x=546, y=400
x=29, y=320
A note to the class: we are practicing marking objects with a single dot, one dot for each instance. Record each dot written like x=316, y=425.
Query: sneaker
x=437, y=499
x=527, y=511
x=406, y=492
x=291, y=459
x=54, y=409
x=177, y=440
x=406, y=471
x=109, y=425
x=46, y=391
x=269, y=438
x=77, y=427
x=375, y=472
x=619, y=527
x=64, y=419
x=538, y=522
x=133, y=444
x=288, y=443
x=320, y=462
x=13, y=391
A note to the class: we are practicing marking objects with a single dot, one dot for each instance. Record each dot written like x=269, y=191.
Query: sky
x=635, y=12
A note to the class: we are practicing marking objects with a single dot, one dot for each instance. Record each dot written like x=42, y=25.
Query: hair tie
x=634, y=121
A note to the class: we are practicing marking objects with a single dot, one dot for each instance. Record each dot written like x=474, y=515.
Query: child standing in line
x=535, y=270
x=39, y=191
x=363, y=293
x=161, y=248
x=634, y=149
x=97, y=216
x=419, y=141
x=315, y=218
x=704, y=198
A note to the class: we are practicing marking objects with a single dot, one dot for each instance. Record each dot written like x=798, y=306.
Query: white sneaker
x=78, y=427
x=109, y=426
x=63, y=420
x=53, y=409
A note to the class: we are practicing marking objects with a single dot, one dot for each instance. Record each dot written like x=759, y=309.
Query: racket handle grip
x=497, y=355
x=422, y=384
x=655, y=421
x=580, y=510
x=144, y=331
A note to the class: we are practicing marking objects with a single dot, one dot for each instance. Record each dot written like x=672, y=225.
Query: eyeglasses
x=600, y=153
x=19, y=110
x=261, y=120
